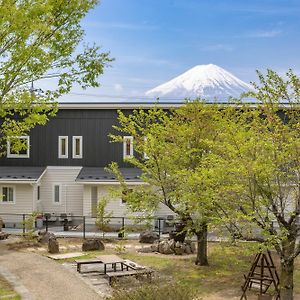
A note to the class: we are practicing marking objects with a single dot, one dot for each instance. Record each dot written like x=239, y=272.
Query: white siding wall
x=115, y=205
x=71, y=192
x=87, y=203
x=23, y=203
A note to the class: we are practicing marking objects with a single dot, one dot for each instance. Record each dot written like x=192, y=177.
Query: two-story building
x=62, y=169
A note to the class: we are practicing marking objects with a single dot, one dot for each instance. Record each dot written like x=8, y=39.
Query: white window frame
x=75, y=137
x=15, y=155
x=60, y=194
x=125, y=138
x=14, y=194
x=60, y=138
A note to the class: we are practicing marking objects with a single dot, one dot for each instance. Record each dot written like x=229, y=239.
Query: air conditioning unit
x=51, y=217
x=67, y=216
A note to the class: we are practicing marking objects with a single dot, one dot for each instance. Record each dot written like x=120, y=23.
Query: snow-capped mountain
x=208, y=82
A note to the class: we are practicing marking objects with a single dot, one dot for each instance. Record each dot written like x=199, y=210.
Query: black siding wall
x=93, y=125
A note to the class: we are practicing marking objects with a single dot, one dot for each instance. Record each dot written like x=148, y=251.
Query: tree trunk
x=201, y=258
x=286, y=280
x=287, y=268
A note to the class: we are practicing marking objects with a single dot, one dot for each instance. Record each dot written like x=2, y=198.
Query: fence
x=85, y=226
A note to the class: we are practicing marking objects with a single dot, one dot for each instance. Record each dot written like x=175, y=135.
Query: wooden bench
x=87, y=262
x=139, y=272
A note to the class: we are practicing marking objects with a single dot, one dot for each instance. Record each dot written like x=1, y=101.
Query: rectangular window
x=77, y=146
x=8, y=194
x=38, y=193
x=63, y=151
x=127, y=146
x=56, y=193
x=18, y=147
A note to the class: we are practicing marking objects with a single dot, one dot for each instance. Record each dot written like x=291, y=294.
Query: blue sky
x=156, y=40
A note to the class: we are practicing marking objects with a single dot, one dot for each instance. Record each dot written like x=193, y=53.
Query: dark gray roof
x=20, y=173
x=94, y=174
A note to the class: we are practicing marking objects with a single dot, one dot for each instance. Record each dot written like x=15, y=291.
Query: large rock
x=148, y=237
x=53, y=246
x=44, y=237
x=145, y=250
x=92, y=245
x=164, y=248
x=3, y=235
x=179, y=250
x=154, y=247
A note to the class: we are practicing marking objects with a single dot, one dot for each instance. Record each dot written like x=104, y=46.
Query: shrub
x=156, y=292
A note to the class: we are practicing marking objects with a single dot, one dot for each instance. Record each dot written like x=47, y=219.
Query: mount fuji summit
x=208, y=82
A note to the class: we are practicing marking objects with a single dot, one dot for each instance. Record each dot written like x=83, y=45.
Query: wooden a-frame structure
x=262, y=275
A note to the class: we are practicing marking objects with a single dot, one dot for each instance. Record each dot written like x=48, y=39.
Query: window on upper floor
x=18, y=147
x=7, y=194
x=127, y=146
x=63, y=149
x=77, y=146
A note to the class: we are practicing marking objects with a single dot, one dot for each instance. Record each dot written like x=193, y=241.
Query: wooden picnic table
x=106, y=260
x=112, y=260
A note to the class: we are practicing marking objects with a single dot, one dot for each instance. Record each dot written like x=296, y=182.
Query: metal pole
x=24, y=225
x=123, y=227
x=47, y=223
x=84, y=227
x=159, y=227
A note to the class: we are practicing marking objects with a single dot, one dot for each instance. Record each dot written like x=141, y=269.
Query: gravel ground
x=44, y=278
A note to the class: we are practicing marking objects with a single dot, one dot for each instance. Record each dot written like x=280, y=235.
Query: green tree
x=175, y=152
x=37, y=37
x=261, y=146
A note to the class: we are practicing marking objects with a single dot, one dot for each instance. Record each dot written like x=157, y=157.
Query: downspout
x=65, y=198
x=33, y=196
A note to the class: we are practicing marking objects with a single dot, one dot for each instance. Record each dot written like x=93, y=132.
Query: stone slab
x=65, y=255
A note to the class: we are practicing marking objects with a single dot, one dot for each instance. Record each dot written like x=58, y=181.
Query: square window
x=18, y=147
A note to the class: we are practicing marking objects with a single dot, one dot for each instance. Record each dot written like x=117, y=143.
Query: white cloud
x=118, y=87
x=263, y=34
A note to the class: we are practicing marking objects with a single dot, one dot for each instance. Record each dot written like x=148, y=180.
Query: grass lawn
x=6, y=292
x=224, y=275
x=222, y=279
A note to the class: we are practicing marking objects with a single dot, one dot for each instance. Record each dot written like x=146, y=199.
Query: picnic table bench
x=87, y=262
x=133, y=272
x=127, y=268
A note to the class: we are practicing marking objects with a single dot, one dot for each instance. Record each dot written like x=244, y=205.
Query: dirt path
x=44, y=278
